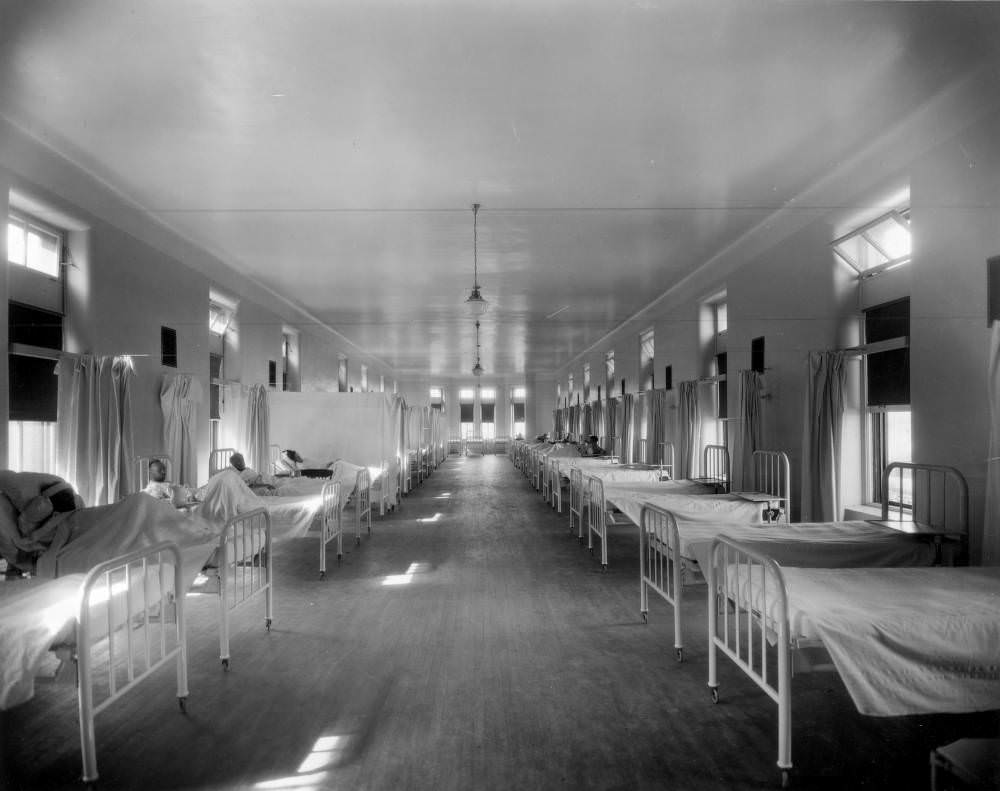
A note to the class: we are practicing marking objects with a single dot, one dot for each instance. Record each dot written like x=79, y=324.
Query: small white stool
x=966, y=764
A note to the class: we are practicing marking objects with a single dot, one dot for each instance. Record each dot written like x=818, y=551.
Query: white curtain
x=991, y=521
x=748, y=429
x=179, y=399
x=258, y=430
x=824, y=415
x=689, y=430
x=94, y=426
x=657, y=432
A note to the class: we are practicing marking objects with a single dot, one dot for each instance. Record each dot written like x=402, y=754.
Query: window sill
x=862, y=512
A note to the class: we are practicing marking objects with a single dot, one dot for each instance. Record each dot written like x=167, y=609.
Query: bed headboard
x=772, y=475
x=667, y=458
x=928, y=495
x=715, y=464
x=142, y=469
x=218, y=459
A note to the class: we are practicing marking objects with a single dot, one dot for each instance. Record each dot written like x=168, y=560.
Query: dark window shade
x=757, y=355
x=486, y=412
x=888, y=372
x=215, y=366
x=891, y=320
x=34, y=388
x=518, y=412
x=168, y=347
x=722, y=366
x=214, y=402
x=668, y=378
x=889, y=378
x=272, y=373
x=34, y=326
x=438, y=406
x=465, y=413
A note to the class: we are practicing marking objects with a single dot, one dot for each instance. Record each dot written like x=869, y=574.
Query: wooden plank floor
x=498, y=656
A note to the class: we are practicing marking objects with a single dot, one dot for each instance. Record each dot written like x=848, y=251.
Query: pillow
x=34, y=513
x=8, y=530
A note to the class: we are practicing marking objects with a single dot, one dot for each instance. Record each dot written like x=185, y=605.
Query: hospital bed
x=903, y=640
x=118, y=624
x=779, y=605
x=142, y=468
x=605, y=492
x=608, y=469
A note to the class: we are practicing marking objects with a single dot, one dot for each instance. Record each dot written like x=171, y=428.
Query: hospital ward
x=443, y=396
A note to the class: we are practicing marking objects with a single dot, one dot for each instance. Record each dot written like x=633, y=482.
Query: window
x=364, y=378
x=36, y=338
x=878, y=246
x=34, y=245
x=487, y=412
x=517, y=411
x=609, y=372
x=569, y=391
x=586, y=381
x=381, y=383
x=215, y=396
x=437, y=398
x=219, y=318
x=342, y=374
x=466, y=404
x=887, y=395
x=646, y=350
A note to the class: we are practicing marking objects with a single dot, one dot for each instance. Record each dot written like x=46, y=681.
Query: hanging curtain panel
x=179, y=399
x=597, y=421
x=94, y=429
x=258, y=429
x=640, y=450
x=628, y=428
x=990, y=551
x=748, y=428
x=657, y=421
x=689, y=430
x=821, y=441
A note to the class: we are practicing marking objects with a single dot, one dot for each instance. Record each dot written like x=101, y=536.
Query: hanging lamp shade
x=474, y=303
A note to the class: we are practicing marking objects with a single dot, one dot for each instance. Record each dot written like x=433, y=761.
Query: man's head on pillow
x=237, y=461
x=293, y=455
x=157, y=471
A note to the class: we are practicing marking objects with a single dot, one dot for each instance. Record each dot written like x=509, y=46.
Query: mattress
x=904, y=640
x=686, y=500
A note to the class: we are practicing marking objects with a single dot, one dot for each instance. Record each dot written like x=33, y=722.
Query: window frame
x=28, y=221
x=901, y=217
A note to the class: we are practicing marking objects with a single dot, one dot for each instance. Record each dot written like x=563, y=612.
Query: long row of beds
x=111, y=623
x=867, y=598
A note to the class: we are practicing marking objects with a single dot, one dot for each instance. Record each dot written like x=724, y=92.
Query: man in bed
x=257, y=482
x=160, y=488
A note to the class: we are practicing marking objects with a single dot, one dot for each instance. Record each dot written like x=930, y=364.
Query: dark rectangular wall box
x=757, y=355
x=168, y=347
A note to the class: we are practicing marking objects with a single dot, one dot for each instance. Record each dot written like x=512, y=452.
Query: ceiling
x=333, y=151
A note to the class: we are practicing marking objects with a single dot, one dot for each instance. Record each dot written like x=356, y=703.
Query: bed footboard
x=362, y=502
x=124, y=634
x=576, y=498
x=245, y=570
x=747, y=613
x=597, y=517
x=331, y=524
x=660, y=565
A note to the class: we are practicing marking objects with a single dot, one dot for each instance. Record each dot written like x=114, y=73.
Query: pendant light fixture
x=477, y=369
x=475, y=303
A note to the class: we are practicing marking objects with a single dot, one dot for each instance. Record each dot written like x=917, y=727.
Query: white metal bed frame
x=245, y=570
x=332, y=526
x=943, y=502
x=362, y=502
x=715, y=458
x=660, y=561
x=137, y=656
x=218, y=460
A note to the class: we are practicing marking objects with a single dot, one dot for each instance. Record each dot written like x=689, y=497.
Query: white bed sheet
x=904, y=640
x=852, y=544
x=688, y=502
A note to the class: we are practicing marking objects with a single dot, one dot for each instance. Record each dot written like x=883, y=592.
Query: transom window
x=609, y=371
x=34, y=245
x=878, y=246
x=646, y=354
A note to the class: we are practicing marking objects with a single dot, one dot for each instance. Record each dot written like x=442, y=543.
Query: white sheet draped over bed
x=361, y=428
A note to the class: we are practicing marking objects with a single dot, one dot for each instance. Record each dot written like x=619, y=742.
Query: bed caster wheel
x=604, y=568
x=182, y=702
x=680, y=654
x=786, y=779
x=357, y=540
x=267, y=624
x=645, y=618
x=715, y=694
x=340, y=560
x=225, y=664
x=322, y=575
x=90, y=785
